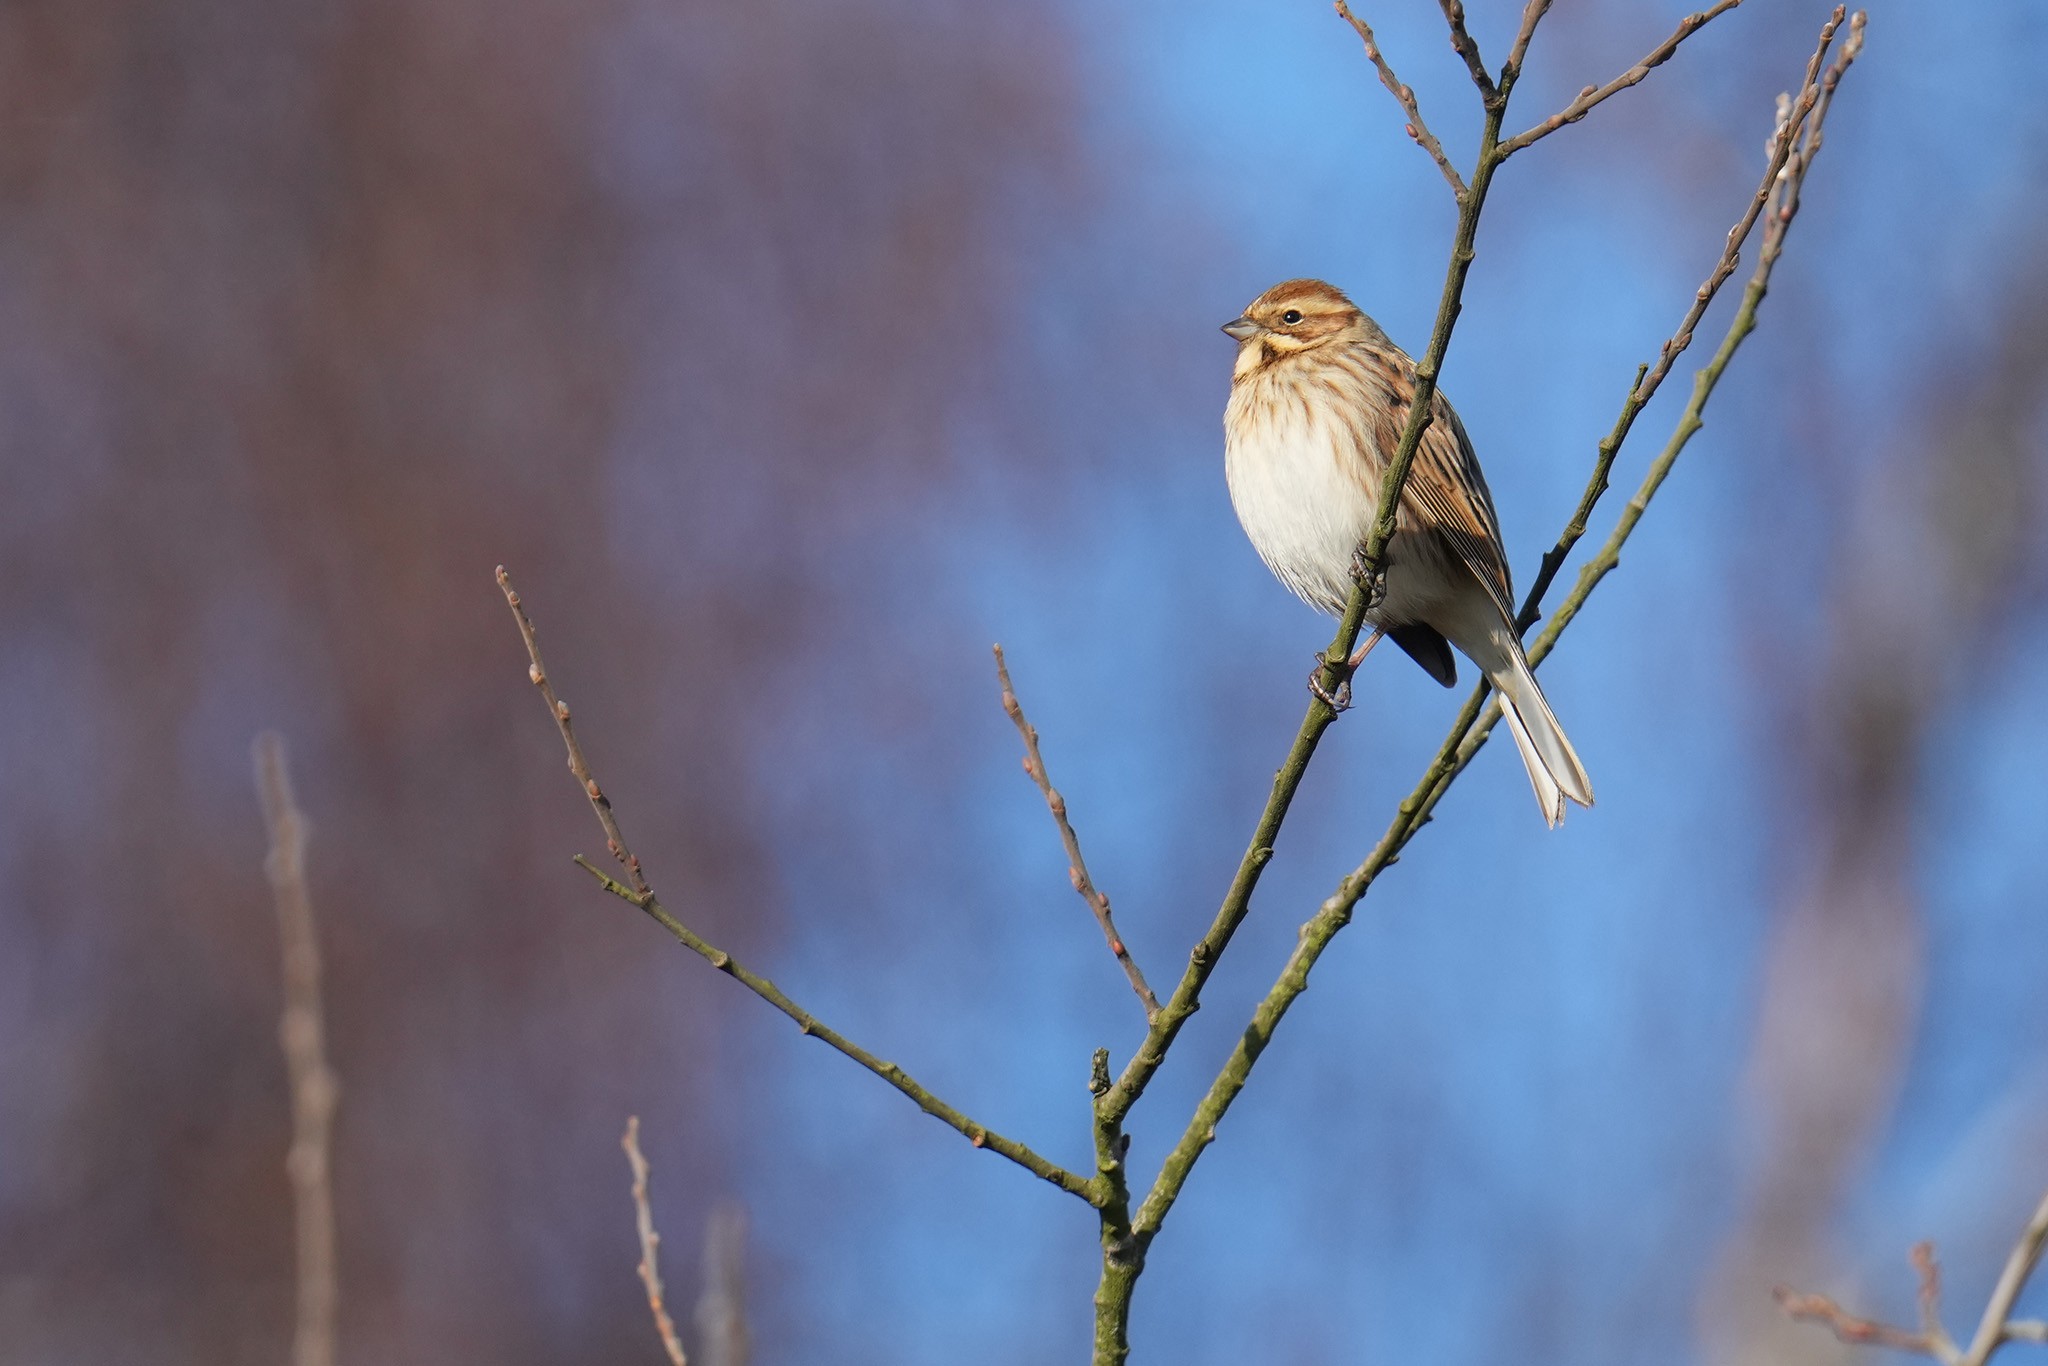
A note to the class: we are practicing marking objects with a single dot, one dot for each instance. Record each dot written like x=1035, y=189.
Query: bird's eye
x=1291, y=316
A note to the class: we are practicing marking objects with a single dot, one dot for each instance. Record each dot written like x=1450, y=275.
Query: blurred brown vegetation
x=313, y=314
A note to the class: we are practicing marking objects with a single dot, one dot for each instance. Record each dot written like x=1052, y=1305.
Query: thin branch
x=1859, y=1332
x=559, y=710
x=1996, y=1326
x=980, y=1135
x=1593, y=95
x=1123, y=1254
x=1466, y=737
x=1463, y=44
x=1932, y=1340
x=315, y=1092
x=1532, y=15
x=1790, y=179
x=641, y=895
x=1784, y=141
x=1405, y=97
x=1927, y=1271
x=1077, y=869
x=650, y=1241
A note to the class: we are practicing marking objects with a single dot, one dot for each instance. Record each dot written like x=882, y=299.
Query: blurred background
x=790, y=354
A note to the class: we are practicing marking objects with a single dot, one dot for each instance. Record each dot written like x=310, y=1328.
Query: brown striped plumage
x=1317, y=402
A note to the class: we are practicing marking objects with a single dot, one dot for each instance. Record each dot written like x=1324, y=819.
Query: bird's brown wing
x=1448, y=493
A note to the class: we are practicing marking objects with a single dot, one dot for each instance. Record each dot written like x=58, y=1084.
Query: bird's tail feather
x=1554, y=768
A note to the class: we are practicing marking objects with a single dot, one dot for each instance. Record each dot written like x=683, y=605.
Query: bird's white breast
x=1299, y=487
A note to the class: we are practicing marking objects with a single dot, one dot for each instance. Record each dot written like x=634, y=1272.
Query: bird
x=1318, y=398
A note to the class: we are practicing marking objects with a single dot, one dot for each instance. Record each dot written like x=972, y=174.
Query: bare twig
x=641, y=895
x=1779, y=222
x=559, y=709
x=650, y=1242
x=1593, y=95
x=1932, y=1340
x=1405, y=97
x=1532, y=15
x=1792, y=179
x=1785, y=140
x=315, y=1091
x=976, y=1133
x=1858, y=1332
x=1464, y=46
x=1928, y=1271
x=1996, y=1328
x=1814, y=88
x=1077, y=869
x=1997, y=1325
x=721, y=1313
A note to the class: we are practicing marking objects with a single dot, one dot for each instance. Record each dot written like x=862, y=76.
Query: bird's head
x=1292, y=317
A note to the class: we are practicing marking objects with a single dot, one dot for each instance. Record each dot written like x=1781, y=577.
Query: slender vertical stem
x=650, y=1247
x=1992, y=1329
x=1123, y=1256
x=315, y=1092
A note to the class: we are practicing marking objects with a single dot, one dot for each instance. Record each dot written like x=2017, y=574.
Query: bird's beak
x=1244, y=329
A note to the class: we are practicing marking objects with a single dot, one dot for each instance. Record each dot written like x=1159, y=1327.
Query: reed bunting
x=1317, y=402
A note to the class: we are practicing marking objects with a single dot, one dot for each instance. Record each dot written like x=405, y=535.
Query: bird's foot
x=1337, y=699
x=1375, y=580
